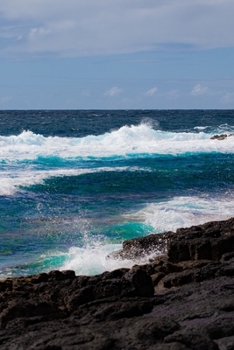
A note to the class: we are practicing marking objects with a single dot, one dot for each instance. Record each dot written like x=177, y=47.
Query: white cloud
x=114, y=91
x=199, y=90
x=151, y=92
x=91, y=27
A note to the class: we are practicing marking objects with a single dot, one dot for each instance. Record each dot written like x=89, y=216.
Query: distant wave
x=125, y=141
x=13, y=181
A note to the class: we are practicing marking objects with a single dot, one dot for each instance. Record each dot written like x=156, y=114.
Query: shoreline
x=182, y=299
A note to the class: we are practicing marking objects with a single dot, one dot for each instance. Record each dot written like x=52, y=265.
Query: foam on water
x=200, y=128
x=124, y=141
x=164, y=216
x=19, y=179
x=89, y=260
x=76, y=230
x=93, y=260
x=185, y=212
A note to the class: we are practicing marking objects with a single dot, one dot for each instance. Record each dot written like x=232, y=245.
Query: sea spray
x=74, y=188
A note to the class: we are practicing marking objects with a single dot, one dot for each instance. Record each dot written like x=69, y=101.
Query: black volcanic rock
x=220, y=137
x=182, y=299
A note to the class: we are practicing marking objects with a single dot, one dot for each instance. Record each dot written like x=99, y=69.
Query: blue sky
x=116, y=54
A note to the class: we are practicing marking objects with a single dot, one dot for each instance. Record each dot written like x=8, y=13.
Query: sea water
x=75, y=184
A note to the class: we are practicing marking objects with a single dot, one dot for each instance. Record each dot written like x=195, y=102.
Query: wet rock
x=220, y=137
x=139, y=247
x=181, y=299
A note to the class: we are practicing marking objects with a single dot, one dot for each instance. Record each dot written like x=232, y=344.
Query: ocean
x=74, y=184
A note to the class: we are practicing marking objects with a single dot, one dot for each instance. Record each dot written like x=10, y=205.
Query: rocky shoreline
x=181, y=299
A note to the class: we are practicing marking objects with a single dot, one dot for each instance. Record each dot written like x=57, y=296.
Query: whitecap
x=122, y=142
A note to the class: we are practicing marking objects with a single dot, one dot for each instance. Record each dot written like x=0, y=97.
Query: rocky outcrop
x=220, y=137
x=183, y=298
x=203, y=242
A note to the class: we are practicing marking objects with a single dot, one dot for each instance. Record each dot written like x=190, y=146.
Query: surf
x=68, y=198
x=126, y=141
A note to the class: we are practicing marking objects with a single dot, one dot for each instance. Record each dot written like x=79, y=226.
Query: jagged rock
x=139, y=247
x=181, y=299
x=209, y=241
x=220, y=137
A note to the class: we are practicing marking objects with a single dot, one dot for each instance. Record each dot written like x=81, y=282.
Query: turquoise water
x=75, y=184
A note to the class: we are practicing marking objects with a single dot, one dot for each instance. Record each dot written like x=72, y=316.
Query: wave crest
x=126, y=141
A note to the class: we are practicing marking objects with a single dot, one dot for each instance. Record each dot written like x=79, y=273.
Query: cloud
x=151, y=92
x=81, y=28
x=199, y=90
x=114, y=91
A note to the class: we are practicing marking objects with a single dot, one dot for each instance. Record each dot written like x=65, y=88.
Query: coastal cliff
x=183, y=298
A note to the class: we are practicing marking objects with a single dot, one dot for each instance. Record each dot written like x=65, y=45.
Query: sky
x=116, y=54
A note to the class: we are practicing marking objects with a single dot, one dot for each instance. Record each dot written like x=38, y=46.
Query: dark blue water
x=75, y=184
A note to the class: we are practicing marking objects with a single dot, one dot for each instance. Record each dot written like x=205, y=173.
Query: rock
x=141, y=282
x=181, y=299
x=192, y=340
x=139, y=247
x=209, y=241
x=81, y=296
x=220, y=137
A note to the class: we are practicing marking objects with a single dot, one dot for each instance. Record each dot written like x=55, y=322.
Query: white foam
x=93, y=260
x=122, y=142
x=185, y=212
x=11, y=181
x=164, y=216
x=200, y=128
